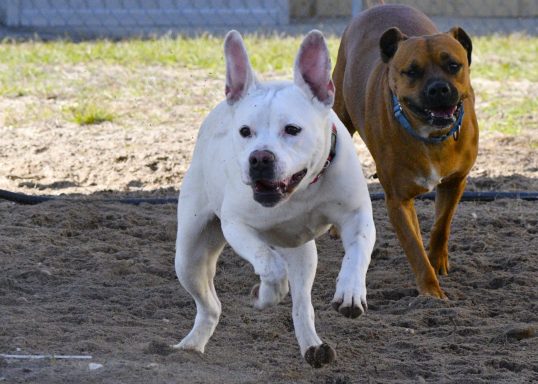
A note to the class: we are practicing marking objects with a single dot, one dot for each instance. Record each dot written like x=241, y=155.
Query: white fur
x=431, y=181
x=216, y=205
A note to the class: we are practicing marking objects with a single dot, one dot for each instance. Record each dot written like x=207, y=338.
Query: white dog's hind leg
x=267, y=263
x=199, y=243
x=357, y=232
x=302, y=262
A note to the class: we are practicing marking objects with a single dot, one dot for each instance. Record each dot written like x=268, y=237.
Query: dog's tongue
x=444, y=112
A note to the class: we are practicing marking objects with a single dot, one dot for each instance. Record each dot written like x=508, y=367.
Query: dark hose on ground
x=22, y=198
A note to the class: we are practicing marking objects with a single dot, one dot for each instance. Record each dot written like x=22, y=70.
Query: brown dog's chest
x=408, y=167
x=428, y=180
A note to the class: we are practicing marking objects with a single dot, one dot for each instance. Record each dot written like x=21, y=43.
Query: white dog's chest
x=289, y=235
x=287, y=226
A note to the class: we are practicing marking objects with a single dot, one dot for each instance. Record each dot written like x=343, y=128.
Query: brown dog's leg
x=404, y=220
x=446, y=200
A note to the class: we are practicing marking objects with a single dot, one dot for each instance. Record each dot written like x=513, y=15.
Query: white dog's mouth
x=269, y=192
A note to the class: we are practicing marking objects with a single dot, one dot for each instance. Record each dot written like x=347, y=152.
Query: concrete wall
x=476, y=8
x=90, y=14
x=451, y=8
x=319, y=8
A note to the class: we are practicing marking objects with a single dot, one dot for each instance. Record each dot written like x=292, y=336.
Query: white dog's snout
x=261, y=158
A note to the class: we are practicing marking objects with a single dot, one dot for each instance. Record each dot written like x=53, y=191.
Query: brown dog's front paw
x=433, y=290
x=428, y=285
x=442, y=269
x=438, y=294
x=440, y=264
x=351, y=311
x=320, y=355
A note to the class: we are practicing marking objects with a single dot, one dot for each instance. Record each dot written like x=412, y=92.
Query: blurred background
x=82, y=19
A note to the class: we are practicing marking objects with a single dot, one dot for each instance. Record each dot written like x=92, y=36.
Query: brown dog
x=405, y=88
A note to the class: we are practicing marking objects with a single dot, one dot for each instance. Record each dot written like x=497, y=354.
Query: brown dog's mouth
x=439, y=117
x=443, y=112
x=269, y=192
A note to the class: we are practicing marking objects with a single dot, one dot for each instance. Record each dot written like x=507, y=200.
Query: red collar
x=332, y=154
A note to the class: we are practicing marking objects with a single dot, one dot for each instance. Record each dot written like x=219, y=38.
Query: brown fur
x=363, y=102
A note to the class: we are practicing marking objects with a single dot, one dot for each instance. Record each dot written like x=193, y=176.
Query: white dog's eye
x=292, y=130
x=245, y=131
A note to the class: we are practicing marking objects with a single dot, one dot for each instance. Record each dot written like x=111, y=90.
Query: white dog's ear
x=312, y=70
x=239, y=75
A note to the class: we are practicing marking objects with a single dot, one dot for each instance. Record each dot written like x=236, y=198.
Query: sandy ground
x=97, y=278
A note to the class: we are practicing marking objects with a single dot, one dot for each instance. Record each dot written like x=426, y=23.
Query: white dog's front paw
x=350, y=296
x=319, y=355
x=189, y=344
x=273, y=286
x=268, y=294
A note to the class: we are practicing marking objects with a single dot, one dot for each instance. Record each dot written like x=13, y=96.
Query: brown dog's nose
x=261, y=159
x=438, y=90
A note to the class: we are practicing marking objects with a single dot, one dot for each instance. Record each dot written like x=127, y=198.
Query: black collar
x=332, y=154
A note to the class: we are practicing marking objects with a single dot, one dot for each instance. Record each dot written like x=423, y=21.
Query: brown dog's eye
x=292, y=130
x=454, y=67
x=413, y=73
x=245, y=131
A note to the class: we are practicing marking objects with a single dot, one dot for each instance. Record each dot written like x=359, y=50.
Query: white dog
x=272, y=169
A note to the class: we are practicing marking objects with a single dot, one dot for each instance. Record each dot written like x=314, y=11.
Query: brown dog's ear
x=464, y=39
x=389, y=43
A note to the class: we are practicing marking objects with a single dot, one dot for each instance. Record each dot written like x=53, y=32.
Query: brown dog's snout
x=438, y=88
x=262, y=164
x=440, y=92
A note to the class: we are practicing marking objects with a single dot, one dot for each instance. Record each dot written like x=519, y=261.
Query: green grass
x=511, y=57
x=111, y=73
x=89, y=114
x=510, y=116
x=267, y=54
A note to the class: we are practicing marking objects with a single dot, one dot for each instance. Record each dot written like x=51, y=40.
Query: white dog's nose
x=262, y=165
x=261, y=159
